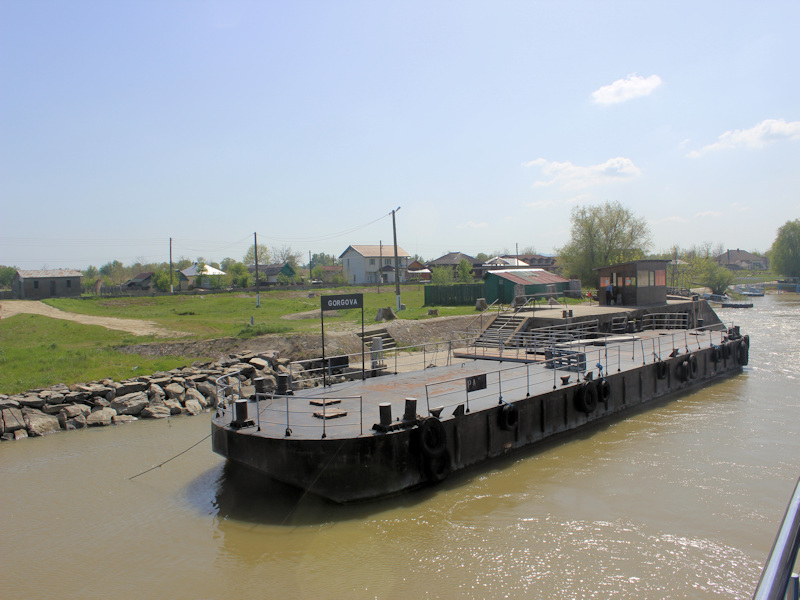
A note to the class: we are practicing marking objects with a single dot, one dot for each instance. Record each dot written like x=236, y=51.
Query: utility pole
x=396, y=261
x=255, y=255
x=171, y=289
x=309, y=267
x=380, y=264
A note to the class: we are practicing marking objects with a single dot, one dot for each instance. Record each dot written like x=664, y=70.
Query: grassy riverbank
x=37, y=351
x=228, y=315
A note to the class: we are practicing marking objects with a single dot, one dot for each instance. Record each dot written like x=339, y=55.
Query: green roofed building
x=504, y=285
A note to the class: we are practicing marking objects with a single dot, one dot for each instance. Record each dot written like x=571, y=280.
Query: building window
x=387, y=261
x=371, y=261
x=652, y=278
x=36, y=284
x=69, y=283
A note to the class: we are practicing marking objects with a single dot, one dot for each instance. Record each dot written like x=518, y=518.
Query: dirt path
x=9, y=308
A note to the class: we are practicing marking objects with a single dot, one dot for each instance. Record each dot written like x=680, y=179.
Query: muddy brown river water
x=681, y=501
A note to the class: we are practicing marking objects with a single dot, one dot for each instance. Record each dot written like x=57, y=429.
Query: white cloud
x=571, y=177
x=763, y=134
x=708, y=213
x=541, y=204
x=472, y=225
x=740, y=207
x=673, y=219
x=622, y=90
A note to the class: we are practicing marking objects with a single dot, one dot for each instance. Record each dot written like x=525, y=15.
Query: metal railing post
x=777, y=573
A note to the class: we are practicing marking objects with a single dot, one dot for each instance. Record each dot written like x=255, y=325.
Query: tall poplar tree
x=603, y=235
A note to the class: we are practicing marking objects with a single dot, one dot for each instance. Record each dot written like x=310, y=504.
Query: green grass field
x=38, y=351
x=221, y=315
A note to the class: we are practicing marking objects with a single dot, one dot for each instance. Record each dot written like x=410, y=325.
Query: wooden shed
x=635, y=283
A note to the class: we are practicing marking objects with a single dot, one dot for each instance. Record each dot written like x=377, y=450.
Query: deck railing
x=566, y=363
x=777, y=581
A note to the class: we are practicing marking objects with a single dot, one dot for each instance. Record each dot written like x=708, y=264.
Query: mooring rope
x=169, y=459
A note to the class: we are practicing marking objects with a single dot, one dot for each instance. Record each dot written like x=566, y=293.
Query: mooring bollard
x=386, y=413
x=411, y=410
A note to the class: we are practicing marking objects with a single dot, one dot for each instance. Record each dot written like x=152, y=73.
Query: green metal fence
x=454, y=295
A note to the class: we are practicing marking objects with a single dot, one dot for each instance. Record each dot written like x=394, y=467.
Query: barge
x=379, y=429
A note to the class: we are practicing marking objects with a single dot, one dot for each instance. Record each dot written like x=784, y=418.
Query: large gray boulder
x=130, y=404
x=193, y=407
x=260, y=364
x=156, y=393
x=156, y=410
x=37, y=423
x=31, y=401
x=173, y=405
x=175, y=390
x=193, y=394
x=121, y=419
x=129, y=387
x=101, y=417
x=208, y=390
x=76, y=422
x=12, y=420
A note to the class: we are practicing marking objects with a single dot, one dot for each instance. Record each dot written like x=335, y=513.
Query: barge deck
x=367, y=438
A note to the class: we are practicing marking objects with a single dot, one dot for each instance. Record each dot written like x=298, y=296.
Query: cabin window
x=661, y=278
x=644, y=278
x=652, y=279
x=604, y=281
x=69, y=283
x=36, y=284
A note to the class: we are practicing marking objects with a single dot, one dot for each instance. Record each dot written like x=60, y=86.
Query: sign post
x=341, y=302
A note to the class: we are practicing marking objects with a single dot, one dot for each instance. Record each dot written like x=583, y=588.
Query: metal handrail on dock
x=777, y=581
x=568, y=362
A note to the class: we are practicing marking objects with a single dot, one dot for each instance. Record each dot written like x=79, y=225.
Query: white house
x=371, y=264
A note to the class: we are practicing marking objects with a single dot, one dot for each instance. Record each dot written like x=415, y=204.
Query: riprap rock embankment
x=182, y=391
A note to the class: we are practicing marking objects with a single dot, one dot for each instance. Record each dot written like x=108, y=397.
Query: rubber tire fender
x=743, y=353
x=603, y=390
x=509, y=417
x=716, y=355
x=432, y=437
x=683, y=370
x=437, y=468
x=586, y=397
x=661, y=369
x=694, y=366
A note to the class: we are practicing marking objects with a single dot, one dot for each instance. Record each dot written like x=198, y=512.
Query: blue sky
x=126, y=123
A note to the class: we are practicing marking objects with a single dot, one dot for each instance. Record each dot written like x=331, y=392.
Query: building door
x=52, y=288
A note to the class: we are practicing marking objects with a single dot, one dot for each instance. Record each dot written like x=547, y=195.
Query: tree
x=285, y=254
x=708, y=273
x=441, y=275
x=263, y=255
x=227, y=263
x=7, y=276
x=321, y=260
x=784, y=256
x=113, y=271
x=603, y=235
x=161, y=280
x=482, y=257
x=90, y=272
x=464, y=271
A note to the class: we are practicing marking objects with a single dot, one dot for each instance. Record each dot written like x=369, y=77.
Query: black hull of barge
x=376, y=465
